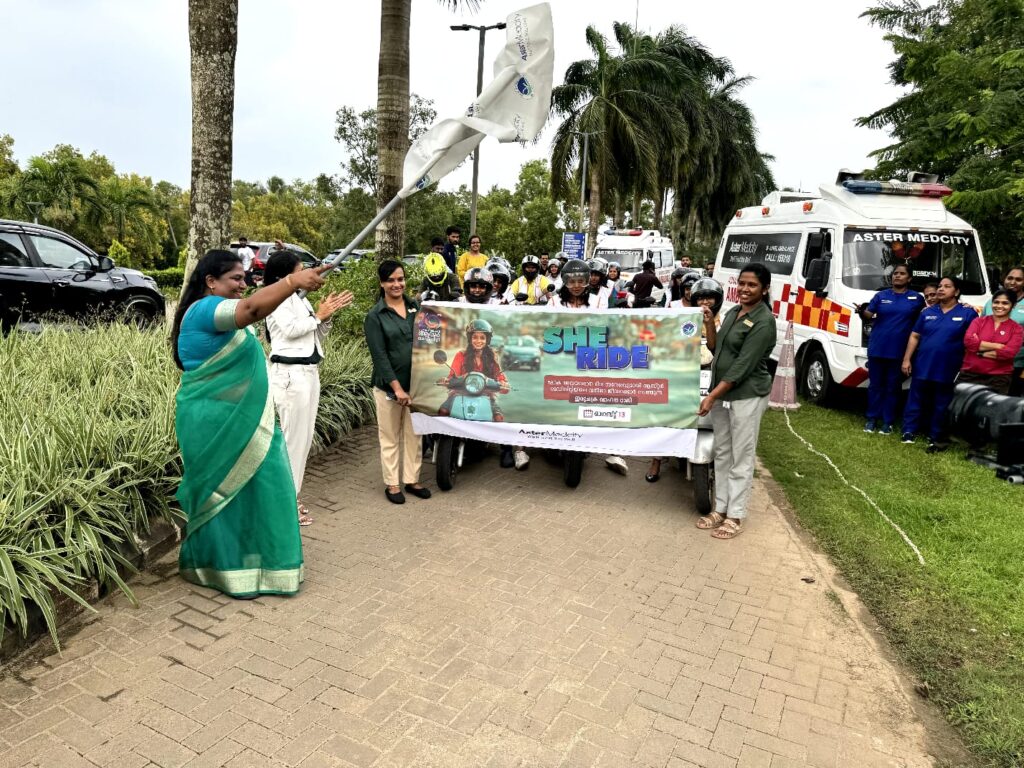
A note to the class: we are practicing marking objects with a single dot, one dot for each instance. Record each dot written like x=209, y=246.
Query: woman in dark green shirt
x=389, y=330
x=740, y=384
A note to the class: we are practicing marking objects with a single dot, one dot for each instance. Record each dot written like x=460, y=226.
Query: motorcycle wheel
x=446, y=465
x=704, y=488
x=572, y=468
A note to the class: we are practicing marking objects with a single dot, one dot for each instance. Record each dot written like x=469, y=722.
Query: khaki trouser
x=394, y=430
x=736, y=431
x=296, y=393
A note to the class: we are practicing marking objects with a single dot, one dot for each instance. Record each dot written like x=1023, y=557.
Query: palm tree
x=126, y=203
x=623, y=103
x=723, y=171
x=62, y=184
x=393, y=115
x=213, y=39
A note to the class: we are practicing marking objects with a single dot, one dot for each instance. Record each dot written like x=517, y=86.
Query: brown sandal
x=709, y=521
x=304, y=517
x=730, y=529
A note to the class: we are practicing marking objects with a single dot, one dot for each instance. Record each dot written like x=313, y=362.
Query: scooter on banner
x=469, y=400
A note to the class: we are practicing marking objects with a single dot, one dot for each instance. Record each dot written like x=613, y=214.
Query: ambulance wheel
x=816, y=377
x=704, y=488
x=572, y=468
x=446, y=465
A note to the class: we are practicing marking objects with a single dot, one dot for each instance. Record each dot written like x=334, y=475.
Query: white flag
x=513, y=107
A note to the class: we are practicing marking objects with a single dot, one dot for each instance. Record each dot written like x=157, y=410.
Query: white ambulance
x=632, y=247
x=830, y=251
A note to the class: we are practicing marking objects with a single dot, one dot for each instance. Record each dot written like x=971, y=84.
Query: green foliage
x=120, y=255
x=362, y=280
x=358, y=133
x=958, y=621
x=172, y=277
x=662, y=114
x=961, y=63
x=88, y=454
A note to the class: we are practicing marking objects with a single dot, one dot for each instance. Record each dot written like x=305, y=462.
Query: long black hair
x=568, y=298
x=764, y=277
x=215, y=263
x=384, y=272
x=279, y=266
x=491, y=367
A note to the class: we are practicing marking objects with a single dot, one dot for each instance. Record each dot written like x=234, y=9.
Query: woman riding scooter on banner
x=576, y=293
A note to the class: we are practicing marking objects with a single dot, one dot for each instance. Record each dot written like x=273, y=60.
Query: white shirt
x=593, y=302
x=246, y=254
x=295, y=330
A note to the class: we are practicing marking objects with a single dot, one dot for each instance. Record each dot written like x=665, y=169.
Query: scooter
x=470, y=401
x=701, y=468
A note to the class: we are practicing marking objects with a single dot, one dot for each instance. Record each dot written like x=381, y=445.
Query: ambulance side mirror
x=818, y=274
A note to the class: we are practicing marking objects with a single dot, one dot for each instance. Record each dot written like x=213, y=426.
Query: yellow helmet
x=436, y=269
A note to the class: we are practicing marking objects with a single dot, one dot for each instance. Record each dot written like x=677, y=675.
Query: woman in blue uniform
x=933, y=358
x=894, y=312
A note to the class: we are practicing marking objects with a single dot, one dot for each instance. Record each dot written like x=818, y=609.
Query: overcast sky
x=113, y=76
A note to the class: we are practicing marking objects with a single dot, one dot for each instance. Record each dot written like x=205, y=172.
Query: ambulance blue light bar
x=909, y=189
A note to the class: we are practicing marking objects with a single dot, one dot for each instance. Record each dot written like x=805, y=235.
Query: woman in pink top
x=990, y=344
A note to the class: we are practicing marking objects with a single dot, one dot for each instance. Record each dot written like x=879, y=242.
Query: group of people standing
x=938, y=343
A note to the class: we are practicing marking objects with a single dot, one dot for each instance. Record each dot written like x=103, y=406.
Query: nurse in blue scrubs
x=894, y=312
x=934, y=355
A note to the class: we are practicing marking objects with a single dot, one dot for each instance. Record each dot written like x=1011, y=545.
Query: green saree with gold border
x=242, y=536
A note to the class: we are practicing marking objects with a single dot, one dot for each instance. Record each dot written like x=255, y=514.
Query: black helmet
x=708, y=287
x=691, y=277
x=599, y=265
x=478, y=276
x=575, y=268
x=479, y=326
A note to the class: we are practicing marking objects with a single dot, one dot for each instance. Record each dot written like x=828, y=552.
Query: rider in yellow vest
x=531, y=284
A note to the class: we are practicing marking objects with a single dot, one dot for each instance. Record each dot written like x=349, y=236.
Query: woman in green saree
x=242, y=536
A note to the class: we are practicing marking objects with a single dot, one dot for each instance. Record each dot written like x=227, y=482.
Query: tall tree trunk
x=619, y=218
x=596, y=217
x=392, y=121
x=213, y=38
x=679, y=218
x=659, y=206
x=634, y=214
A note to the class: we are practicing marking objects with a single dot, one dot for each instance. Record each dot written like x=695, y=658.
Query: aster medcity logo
x=524, y=88
x=689, y=329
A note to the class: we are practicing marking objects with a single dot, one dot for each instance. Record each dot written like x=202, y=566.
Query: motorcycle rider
x=555, y=273
x=479, y=285
x=616, y=284
x=577, y=293
x=440, y=283
x=502, y=275
x=643, y=284
x=599, y=280
x=679, y=290
x=532, y=286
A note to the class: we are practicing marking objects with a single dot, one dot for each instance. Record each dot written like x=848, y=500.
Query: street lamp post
x=479, y=87
x=35, y=208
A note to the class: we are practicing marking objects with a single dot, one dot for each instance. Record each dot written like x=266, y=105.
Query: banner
x=513, y=107
x=600, y=380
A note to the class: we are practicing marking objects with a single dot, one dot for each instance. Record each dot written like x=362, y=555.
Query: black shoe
x=423, y=493
x=936, y=447
x=395, y=498
x=507, y=459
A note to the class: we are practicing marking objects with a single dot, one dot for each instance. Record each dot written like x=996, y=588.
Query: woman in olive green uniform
x=740, y=385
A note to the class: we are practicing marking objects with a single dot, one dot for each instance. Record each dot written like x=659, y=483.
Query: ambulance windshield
x=629, y=259
x=870, y=255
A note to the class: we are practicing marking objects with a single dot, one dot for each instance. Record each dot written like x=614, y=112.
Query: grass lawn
x=957, y=621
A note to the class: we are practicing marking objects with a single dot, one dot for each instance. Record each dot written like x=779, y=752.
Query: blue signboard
x=574, y=244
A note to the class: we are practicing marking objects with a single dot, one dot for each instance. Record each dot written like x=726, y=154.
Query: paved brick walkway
x=512, y=622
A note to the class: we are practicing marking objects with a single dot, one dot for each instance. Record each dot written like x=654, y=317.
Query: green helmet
x=479, y=326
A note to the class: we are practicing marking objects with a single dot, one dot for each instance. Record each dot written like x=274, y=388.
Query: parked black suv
x=44, y=271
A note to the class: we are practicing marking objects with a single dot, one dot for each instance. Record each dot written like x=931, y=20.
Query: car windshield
x=628, y=258
x=870, y=255
x=527, y=341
